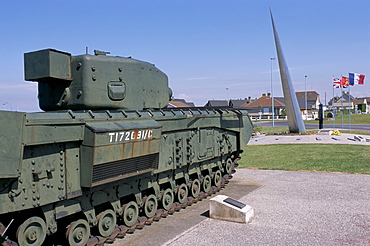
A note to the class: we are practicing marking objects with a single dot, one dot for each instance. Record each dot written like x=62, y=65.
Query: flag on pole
x=361, y=79
x=356, y=79
x=336, y=85
x=352, y=77
x=344, y=82
x=336, y=82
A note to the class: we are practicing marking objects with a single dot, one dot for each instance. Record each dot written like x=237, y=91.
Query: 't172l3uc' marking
x=115, y=137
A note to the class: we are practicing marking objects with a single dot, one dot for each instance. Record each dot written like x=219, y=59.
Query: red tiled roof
x=263, y=101
x=177, y=104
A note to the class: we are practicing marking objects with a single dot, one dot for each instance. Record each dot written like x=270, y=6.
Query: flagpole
x=332, y=106
x=349, y=107
x=272, y=95
x=341, y=103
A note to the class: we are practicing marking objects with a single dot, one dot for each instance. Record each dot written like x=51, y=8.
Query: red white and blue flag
x=361, y=79
x=336, y=83
x=356, y=79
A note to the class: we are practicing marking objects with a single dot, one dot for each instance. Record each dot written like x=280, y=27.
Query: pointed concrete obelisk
x=295, y=121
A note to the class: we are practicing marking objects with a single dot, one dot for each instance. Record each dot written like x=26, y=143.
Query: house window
x=266, y=110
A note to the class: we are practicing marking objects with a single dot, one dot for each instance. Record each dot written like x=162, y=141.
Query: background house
x=313, y=102
x=366, y=101
x=347, y=101
x=217, y=103
x=235, y=103
x=180, y=103
x=263, y=106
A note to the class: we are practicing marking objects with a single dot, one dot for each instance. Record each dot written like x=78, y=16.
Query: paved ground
x=291, y=208
x=168, y=229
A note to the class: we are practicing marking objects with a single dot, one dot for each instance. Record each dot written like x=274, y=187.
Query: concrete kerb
x=322, y=137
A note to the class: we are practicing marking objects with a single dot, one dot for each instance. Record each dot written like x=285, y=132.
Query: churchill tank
x=107, y=155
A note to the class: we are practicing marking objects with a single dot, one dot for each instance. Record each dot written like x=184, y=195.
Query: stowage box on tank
x=108, y=155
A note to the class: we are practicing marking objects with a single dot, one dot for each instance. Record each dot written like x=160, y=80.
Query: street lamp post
x=11, y=109
x=305, y=95
x=272, y=95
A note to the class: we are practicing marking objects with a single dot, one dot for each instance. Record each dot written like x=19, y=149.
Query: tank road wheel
x=32, y=232
x=207, y=183
x=228, y=166
x=195, y=188
x=78, y=233
x=150, y=206
x=167, y=199
x=130, y=213
x=106, y=222
x=182, y=193
x=217, y=179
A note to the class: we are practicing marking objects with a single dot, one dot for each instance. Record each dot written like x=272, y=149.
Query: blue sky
x=203, y=46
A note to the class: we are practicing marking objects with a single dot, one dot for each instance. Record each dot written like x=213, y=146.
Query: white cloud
x=199, y=78
x=184, y=96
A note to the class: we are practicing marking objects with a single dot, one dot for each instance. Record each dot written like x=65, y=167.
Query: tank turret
x=96, y=82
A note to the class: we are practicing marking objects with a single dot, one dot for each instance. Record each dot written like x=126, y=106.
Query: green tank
x=107, y=156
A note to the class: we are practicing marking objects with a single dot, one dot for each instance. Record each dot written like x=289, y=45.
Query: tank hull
x=68, y=164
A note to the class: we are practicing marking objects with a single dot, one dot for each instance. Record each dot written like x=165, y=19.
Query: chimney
x=263, y=94
x=268, y=94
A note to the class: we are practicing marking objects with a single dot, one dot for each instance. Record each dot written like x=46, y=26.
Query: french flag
x=361, y=79
x=356, y=79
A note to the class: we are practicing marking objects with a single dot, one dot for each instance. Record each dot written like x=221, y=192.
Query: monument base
x=225, y=208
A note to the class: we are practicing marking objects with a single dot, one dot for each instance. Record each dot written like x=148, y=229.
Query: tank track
x=121, y=230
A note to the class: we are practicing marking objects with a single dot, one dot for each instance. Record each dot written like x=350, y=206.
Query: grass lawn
x=355, y=118
x=310, y=157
